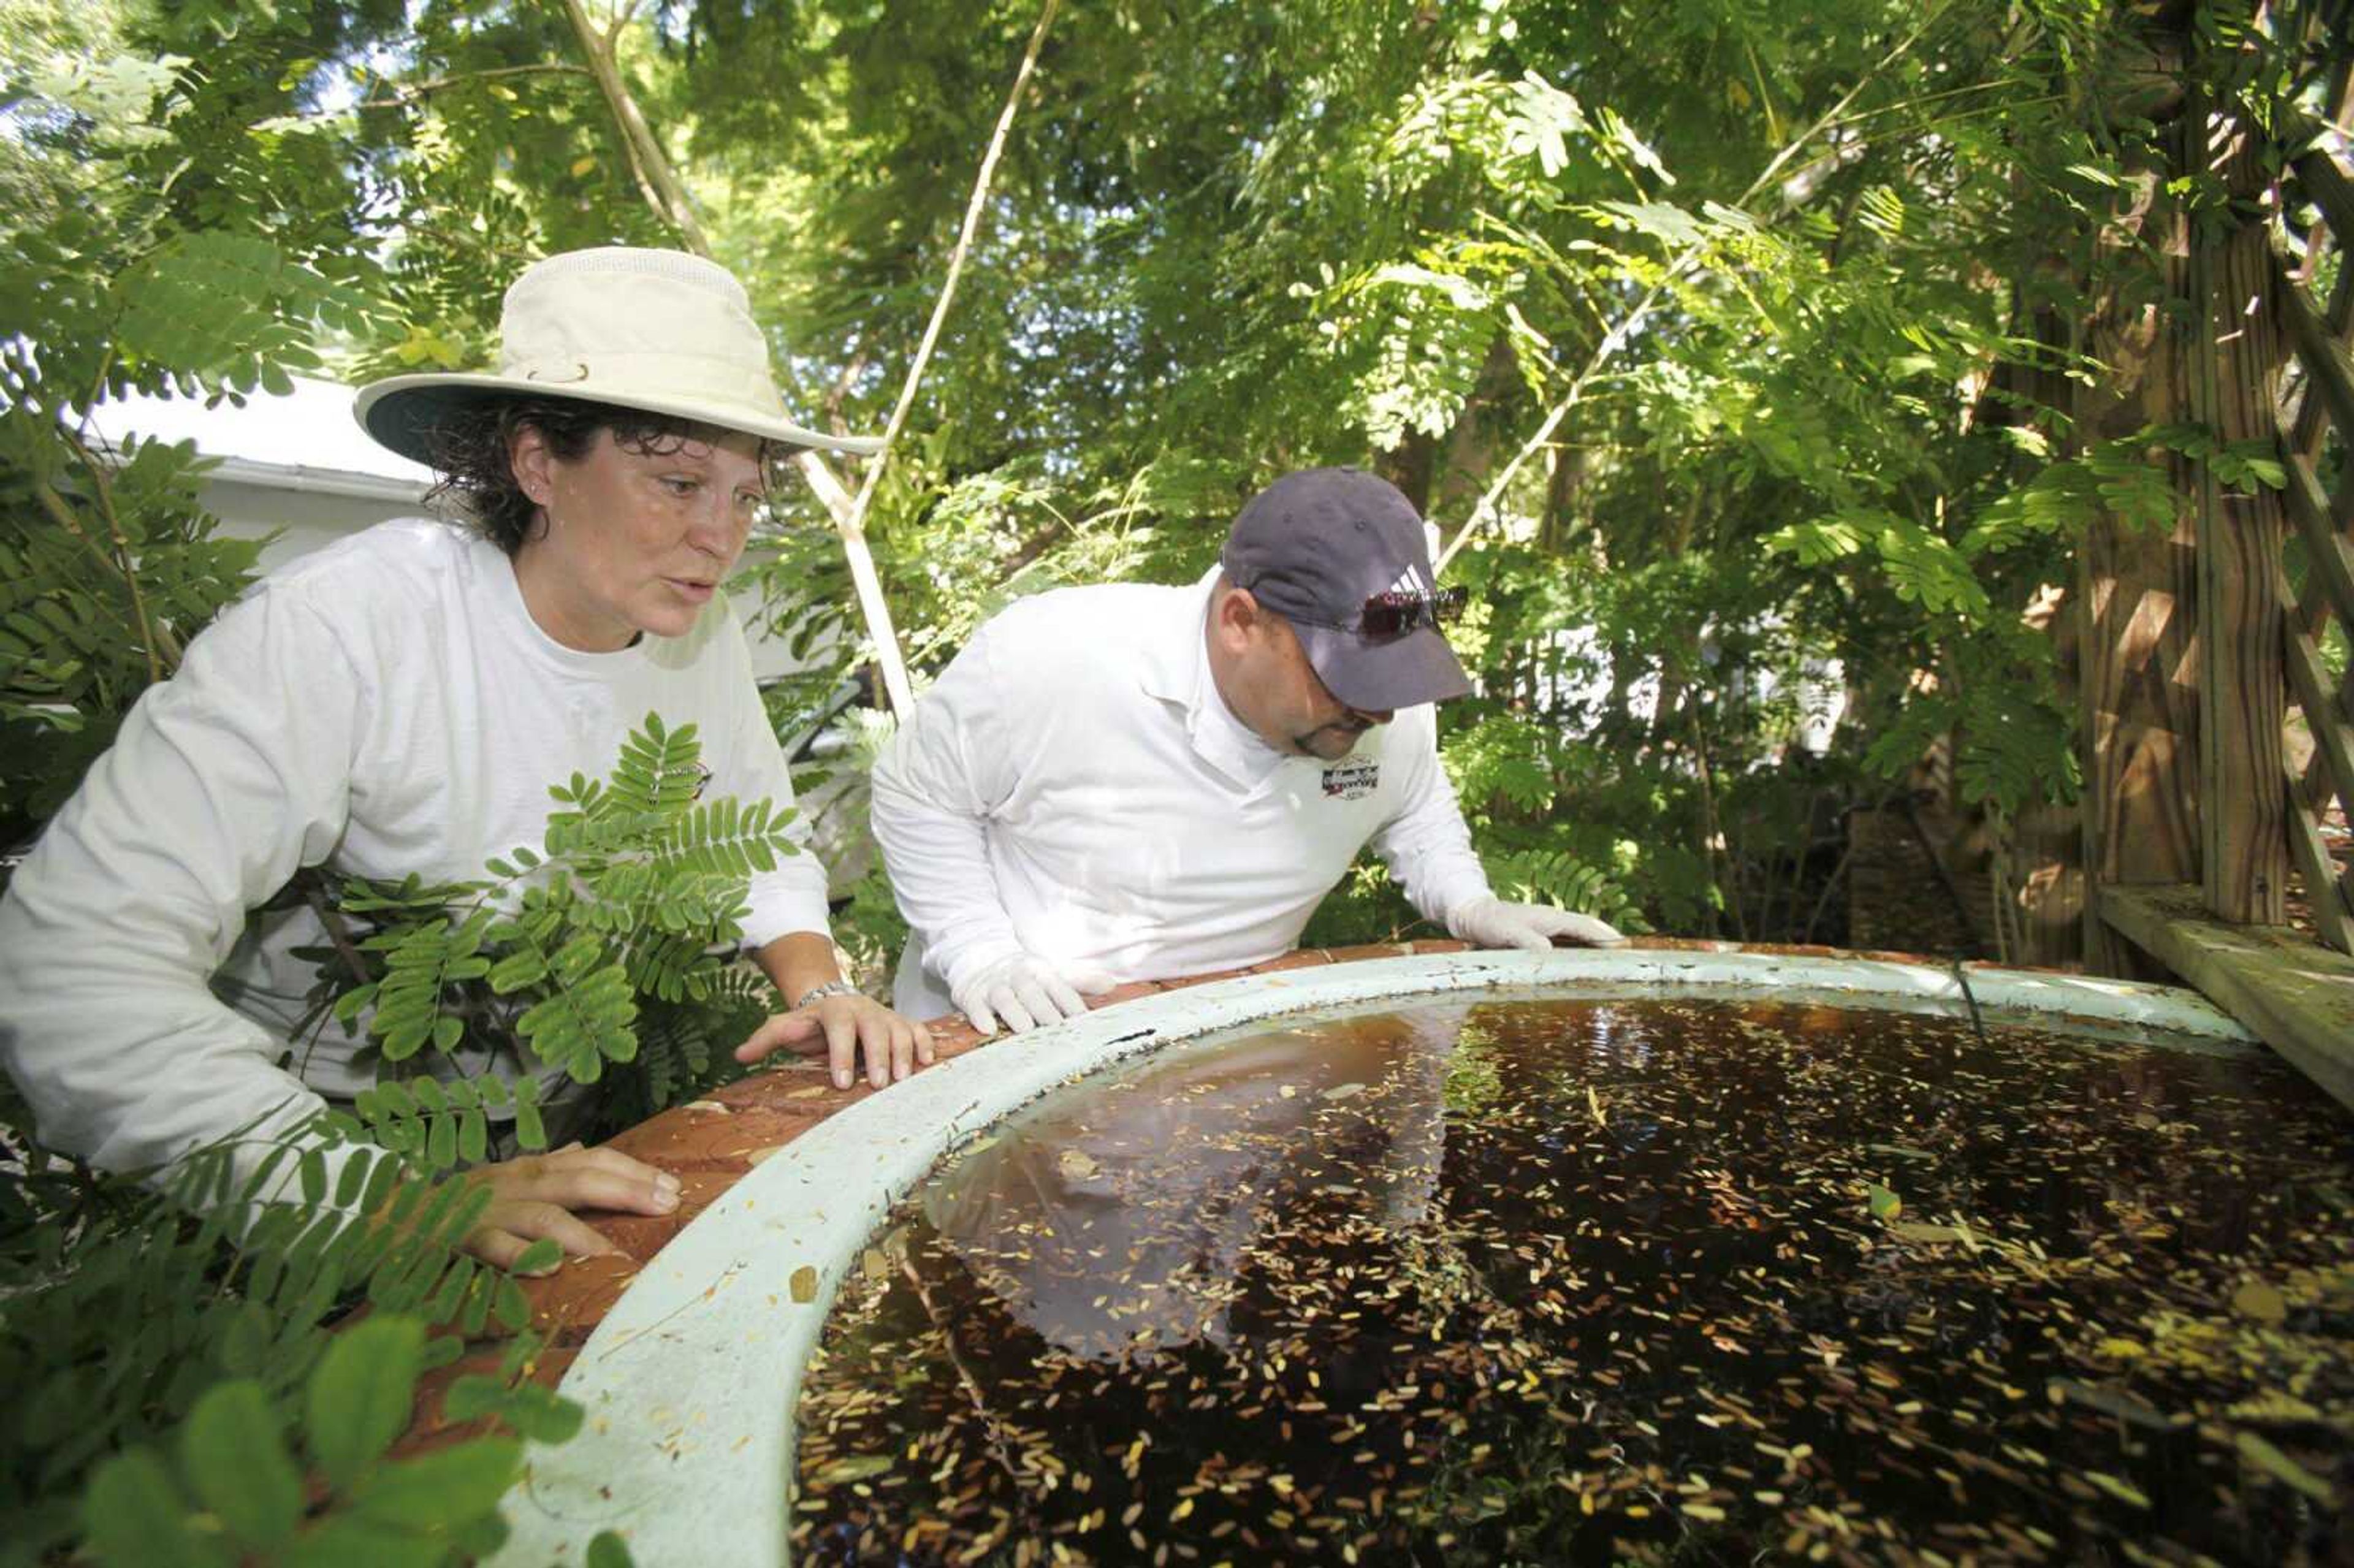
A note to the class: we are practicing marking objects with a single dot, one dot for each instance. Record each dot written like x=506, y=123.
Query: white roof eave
x=319, y=481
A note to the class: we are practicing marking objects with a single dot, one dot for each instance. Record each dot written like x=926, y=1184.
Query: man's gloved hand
x=1025, y=992
x=1493, y=922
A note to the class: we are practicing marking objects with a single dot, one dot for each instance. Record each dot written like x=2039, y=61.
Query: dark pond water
x=1588, y=1282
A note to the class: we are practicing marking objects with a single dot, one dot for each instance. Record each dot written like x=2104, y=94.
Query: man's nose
x=1374, y=715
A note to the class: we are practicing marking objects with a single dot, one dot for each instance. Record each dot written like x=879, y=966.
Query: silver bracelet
x=820, y=993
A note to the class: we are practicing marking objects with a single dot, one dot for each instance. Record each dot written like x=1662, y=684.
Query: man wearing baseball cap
x=1139, y=782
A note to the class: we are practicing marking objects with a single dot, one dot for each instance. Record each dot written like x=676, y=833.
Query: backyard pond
x=1574, y=1280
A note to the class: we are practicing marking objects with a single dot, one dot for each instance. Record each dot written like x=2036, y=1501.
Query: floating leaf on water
x=2116, y=1488
x=1620, y=1289
x=2260, y=1301
x=1076, y=1164
x=2112, y=1402
x=872, y=1264
x=856, y=1468
x=2273, y=1407
x=1342, y=1091
x=1885, y=1205
x=1914, y=1231
x=2283, y=1468
x=803, y=1283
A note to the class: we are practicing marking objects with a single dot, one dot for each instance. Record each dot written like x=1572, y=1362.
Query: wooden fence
x=2272, y=575
x=2319, y=190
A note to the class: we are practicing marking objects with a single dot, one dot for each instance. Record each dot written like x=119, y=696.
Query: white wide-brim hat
x=661, y=331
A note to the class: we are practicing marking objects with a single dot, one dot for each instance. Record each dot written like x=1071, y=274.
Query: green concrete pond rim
x=690, y=1381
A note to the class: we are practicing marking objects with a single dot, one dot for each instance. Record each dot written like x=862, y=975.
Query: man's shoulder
x=1094, y=604
x=1076, y=632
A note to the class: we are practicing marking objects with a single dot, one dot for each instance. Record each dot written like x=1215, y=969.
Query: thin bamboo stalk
x=853, y=528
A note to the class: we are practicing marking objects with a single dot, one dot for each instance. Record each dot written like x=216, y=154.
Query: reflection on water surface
x=1580, y=1281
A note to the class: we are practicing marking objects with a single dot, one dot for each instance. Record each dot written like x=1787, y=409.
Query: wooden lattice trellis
x=2187, y=862
x=2303, y=252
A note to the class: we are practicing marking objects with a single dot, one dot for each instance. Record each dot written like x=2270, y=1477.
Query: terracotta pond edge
x=688, y=1354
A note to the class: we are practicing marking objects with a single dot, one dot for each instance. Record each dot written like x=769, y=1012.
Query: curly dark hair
x=470, y=440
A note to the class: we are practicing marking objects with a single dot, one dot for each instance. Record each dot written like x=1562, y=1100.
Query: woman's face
x=635, y=541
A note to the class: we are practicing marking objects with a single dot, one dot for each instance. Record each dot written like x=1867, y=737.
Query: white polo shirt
x=1074, y=786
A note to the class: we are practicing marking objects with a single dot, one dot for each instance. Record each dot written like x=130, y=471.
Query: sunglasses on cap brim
x=1396, y=613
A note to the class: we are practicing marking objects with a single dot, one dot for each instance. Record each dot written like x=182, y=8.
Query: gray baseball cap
x=1340, y=554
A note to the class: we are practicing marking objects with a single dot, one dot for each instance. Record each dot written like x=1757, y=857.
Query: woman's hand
x=840, y=1027
x=533, y=1196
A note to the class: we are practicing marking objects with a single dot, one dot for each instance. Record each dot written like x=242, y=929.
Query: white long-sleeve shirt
x=383, y=707
x=1074, y=786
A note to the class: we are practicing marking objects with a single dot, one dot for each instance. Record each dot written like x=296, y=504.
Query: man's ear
x=1244, y=615
x=1237, y=620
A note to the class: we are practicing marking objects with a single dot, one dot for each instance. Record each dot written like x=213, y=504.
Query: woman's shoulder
x=395, y=570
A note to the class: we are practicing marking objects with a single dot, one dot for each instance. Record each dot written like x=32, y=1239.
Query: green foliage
x=193, y=1319
x=1819, y=449
x=150, y=247
x=236, y=1495
x=2012, y=739
x=1557, y=878
x=1502, y=762
x=632, y=903
x=1830, y=436
x=2125, y=479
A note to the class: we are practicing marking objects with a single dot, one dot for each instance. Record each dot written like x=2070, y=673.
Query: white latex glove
x=1026, y=992
x=1493, y=922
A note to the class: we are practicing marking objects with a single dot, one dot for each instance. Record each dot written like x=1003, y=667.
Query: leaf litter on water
x=1458, y=1313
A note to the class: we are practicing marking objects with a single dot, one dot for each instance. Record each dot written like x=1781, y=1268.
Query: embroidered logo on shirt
x=1352, y=778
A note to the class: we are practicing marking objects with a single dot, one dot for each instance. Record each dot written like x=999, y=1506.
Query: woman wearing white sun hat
x=397, y=705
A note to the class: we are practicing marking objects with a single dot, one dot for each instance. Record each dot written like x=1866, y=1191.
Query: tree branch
x=656, y=178
x=161, y=650
x=417, y=91
x=895, y=676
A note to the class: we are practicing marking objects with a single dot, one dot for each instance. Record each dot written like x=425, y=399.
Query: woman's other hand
x=842, y=1028
x=535, y=1197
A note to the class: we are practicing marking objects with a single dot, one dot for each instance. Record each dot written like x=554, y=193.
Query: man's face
x=1272, y=688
